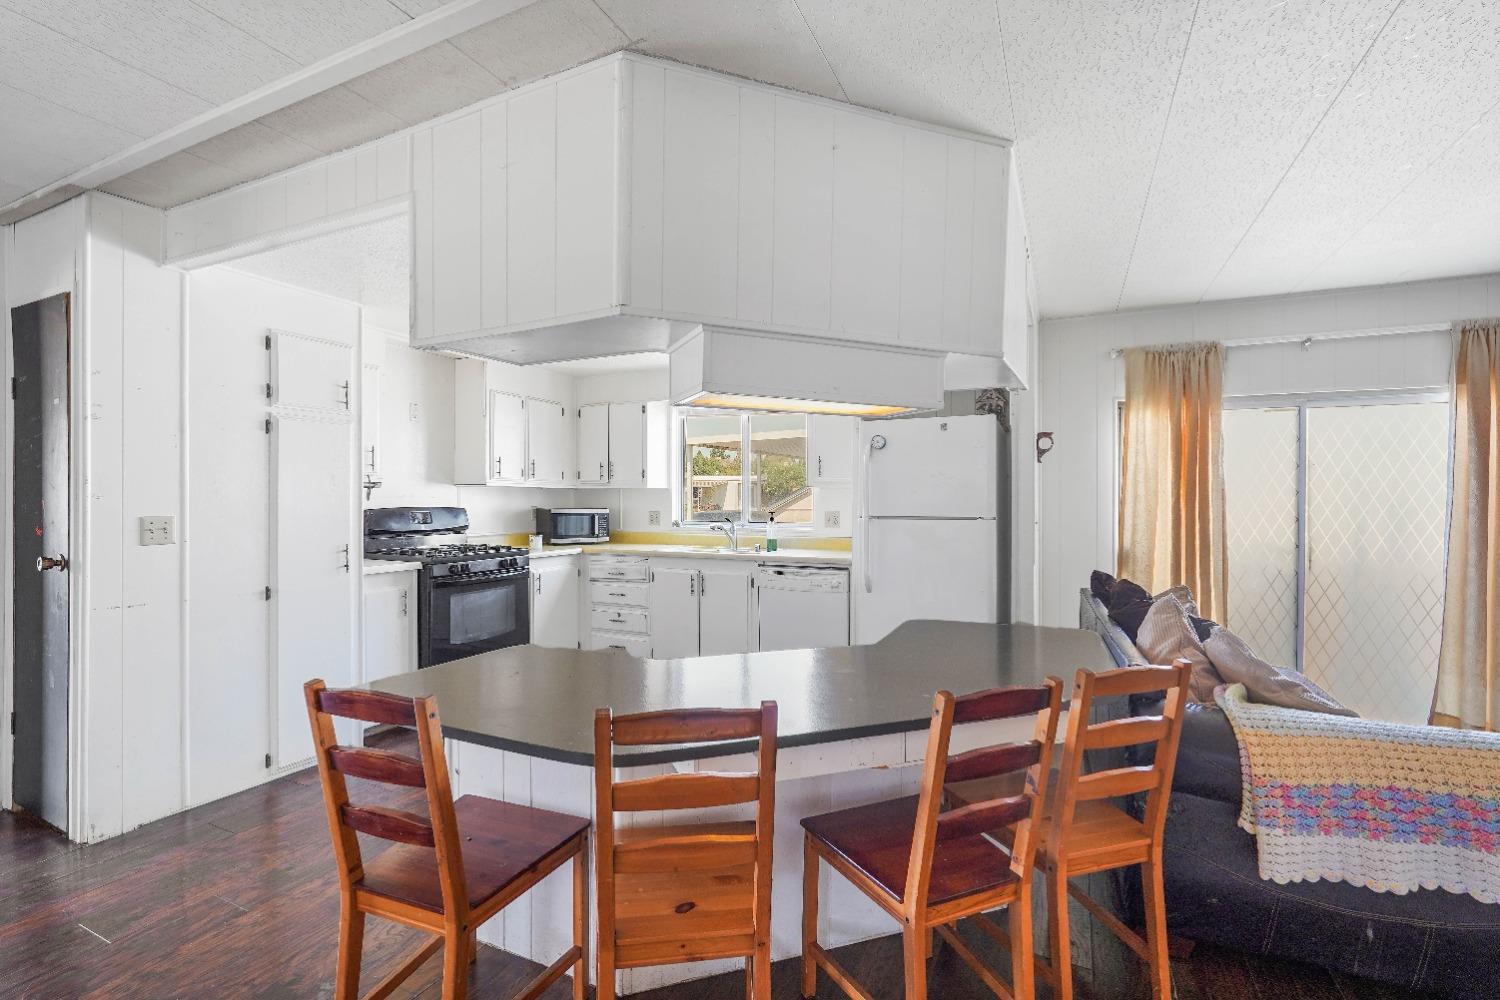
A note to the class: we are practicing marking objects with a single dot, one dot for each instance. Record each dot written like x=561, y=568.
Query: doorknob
x=44, y=563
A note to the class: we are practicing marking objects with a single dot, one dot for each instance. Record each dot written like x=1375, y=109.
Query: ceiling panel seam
x=623, y=33
x=822, y=52
x=236, y=28
x=143, y=70
x=1161, y=143
x=1441, y=155
x=1353, y=72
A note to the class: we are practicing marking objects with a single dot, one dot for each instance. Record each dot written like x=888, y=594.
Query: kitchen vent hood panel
x=743, y=369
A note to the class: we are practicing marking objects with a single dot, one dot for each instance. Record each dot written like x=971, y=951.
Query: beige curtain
x=1468, y=690
x=1172, y=473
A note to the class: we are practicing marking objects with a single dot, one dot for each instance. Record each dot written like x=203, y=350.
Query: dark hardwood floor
x=238, y=899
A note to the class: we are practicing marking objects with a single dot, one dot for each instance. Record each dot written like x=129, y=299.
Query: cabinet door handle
x=611, y=468
x=539, y=584
x=403, y=603
x=344, y=385
x=693, y=585
x=533, y=468
x=498, y=466
x=613, y=594
x=820, y=466
x=702, y=584
x=601, y=471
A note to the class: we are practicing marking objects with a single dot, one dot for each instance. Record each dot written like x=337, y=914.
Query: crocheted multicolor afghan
x=1386, y=806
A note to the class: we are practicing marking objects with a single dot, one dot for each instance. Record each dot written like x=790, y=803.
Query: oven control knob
x=460, y=568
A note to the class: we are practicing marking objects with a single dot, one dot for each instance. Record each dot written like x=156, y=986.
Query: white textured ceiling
x=369, y=264
x=1171, y=151
x=82, y=80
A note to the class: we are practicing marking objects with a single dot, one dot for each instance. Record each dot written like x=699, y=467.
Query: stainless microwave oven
x=573, y=525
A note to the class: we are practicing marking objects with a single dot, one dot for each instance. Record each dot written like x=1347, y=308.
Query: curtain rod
x=1306, y=339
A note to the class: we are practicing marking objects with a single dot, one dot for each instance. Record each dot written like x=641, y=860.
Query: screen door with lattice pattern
x=1336, y=515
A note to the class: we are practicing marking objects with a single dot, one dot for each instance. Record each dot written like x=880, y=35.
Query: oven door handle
x=453, y=583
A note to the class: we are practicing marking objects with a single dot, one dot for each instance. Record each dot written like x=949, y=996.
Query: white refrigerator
x=928, y=541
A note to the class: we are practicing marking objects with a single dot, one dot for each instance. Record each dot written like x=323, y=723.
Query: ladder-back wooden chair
x=445, y=873
x=1086, y=834
x=929, y=868
x=694, y=891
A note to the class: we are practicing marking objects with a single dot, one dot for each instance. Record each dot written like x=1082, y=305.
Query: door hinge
x=268, y=390
x=12, y=387
x=13, y=723
x=268, y=593
x=268, y=341
x=268, y=425
x=268, y=760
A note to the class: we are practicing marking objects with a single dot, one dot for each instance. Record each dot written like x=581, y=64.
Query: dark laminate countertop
x=541, y=702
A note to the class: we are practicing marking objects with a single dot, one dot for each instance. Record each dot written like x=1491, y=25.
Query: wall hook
x=1040, y=451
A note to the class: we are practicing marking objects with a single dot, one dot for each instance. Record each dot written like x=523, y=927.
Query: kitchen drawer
x=633, y=620
x=635, y=645
x=620, y=592
x=633, y=569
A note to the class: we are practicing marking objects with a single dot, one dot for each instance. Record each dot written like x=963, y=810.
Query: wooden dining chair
x=445, y=873
x=685, y=892
x=1085, y=834
x=929, y=868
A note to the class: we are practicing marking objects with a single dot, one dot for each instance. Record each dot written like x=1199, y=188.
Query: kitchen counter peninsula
x=852, y=729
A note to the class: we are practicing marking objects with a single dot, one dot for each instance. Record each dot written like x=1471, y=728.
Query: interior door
x=723, y=612
x=507, y=437
x=311, y=577
x=627, y=444
x=593, y=443
x=674, y=613
x=40, y=548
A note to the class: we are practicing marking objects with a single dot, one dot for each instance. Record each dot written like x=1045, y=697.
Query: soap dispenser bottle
x=771, y=534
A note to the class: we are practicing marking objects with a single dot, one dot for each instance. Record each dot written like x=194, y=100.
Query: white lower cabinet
x=701, y=608
x=674, y=612
x=390, y=625
x=555, y=593
x=619, y=614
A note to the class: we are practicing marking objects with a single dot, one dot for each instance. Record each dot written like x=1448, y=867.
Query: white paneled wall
x=317, y=197
x=134, y=692
x=1080, y=385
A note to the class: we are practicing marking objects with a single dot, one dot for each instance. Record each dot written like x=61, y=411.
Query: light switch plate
x=157, y=531
x=830, y=519
x=653, y=518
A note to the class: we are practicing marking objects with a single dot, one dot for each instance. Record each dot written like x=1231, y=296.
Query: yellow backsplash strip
x=695, y=538
x=713, y=538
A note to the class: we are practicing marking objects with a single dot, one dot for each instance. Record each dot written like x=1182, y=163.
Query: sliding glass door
x=1336, y=513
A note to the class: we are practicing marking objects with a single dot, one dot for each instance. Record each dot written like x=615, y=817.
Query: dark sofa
x=1428, y=940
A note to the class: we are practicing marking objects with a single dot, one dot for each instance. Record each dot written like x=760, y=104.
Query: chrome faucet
x=731, y=531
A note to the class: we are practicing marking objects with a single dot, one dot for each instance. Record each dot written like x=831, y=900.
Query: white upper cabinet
x=593, y=444
x=547, y=435
x=508, y=427
x=309, y=373
x=830, y=449
x=635, y=188
x=639, y=445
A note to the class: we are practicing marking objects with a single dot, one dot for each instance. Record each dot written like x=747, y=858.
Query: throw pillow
x=1269, y=685
x=1167, y=634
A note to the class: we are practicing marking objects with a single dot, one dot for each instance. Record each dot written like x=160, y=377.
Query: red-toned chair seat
x=500, y=842
x=876, y=840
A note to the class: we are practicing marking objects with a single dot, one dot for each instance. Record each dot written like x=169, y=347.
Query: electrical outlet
x=414, y=411
x=830, y=519
x=156, y=531
x=653, y=518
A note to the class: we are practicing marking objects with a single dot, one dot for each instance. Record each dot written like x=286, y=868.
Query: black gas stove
x=473, y=597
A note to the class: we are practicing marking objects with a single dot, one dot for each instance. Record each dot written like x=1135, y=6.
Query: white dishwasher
x=803, y=607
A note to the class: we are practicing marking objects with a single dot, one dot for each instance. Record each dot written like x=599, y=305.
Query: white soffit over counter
x=741, y=369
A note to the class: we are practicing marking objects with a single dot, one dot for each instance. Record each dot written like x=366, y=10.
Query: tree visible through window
x=717, y=481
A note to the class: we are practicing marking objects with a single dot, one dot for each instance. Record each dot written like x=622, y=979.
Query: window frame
x=1301, y=402
x=680, y=416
